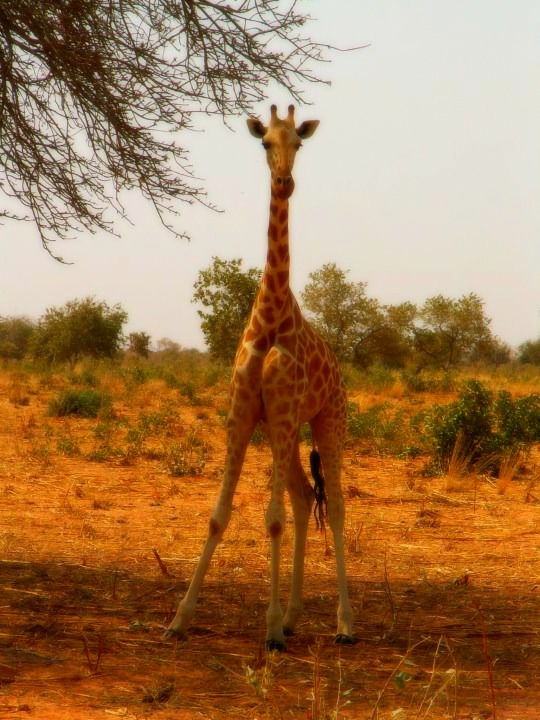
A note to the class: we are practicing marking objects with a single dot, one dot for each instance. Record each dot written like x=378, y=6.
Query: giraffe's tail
x=321, y=500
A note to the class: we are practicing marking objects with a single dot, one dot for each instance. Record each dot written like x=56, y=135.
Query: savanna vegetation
x=110, y=462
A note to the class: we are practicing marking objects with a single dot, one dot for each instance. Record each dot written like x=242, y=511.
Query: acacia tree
x=91, y=93
x=529, y=352
x=338, y=308
x=358, y=328
x=228, y=294
x=79, y=328
x=138, y=343
x=452, y=332
x=15, y=336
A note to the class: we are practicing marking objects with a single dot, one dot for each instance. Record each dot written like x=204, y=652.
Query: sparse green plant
x=134, y=376
x=258, y=437
x=189, y=391
x=84, y=403
x=67, y=446
x=187, y=457
x=102, y=453
x=41, y=452
x=378, y=429
x=150, y=425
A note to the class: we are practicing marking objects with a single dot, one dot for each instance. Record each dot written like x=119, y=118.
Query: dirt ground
x=445, y=588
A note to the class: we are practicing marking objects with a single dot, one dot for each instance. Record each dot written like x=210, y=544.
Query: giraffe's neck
x=275, y=282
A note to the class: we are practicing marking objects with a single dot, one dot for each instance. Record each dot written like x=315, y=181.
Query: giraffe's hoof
x=287, y=631
x=277, y=645
x=345, y=640
x=172, y=634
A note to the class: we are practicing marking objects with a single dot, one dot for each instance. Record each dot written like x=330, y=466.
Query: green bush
x=485, y=426
x=85, y=403
x=380, y=429
x=517, y=420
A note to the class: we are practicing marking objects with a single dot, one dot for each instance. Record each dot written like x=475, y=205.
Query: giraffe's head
x=281, y=140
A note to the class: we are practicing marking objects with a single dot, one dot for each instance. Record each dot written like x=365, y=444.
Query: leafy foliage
x=228, y=293
x=138, y=343
x=79, y=328
x=85, y=403
x=120, y=78
x=485, y=425
x=15, y=336
x=452, y=332
x=379, y=429
x=358, y=328
x=529, y=352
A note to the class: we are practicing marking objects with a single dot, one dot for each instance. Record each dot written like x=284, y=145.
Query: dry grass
x=95, y=556
x=508, y=470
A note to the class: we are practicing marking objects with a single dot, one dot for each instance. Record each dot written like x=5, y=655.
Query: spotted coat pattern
x=284, y=375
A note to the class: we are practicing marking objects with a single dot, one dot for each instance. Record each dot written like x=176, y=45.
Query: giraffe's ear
x=256, y=128
x=307, y=129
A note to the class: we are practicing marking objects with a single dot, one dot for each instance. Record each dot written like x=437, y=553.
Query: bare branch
x=91, y=92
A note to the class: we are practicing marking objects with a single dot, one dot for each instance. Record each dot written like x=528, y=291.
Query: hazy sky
x=423, y=178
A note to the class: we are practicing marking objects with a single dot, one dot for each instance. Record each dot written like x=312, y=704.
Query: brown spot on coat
x=270, y=283
x=287, y=325
x=267, y=315
x=275, y=529
x=261, y=344
x=283, y=252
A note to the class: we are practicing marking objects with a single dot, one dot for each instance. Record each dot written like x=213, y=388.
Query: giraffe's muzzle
x=283, y=186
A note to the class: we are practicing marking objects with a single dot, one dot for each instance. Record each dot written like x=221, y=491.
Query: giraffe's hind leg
x=329, y=433
x=301, y=495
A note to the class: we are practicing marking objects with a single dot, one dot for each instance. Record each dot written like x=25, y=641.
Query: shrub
x=380, y=429
x=80, y=328
x=85, y=403
x=188, y=457
x=469, y=417
x=485, y=426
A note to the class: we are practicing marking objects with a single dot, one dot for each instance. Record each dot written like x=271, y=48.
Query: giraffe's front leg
x=282, y=437
x=216, y=527
x=238, y=435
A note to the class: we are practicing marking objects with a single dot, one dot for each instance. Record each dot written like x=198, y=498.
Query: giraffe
x=284, y=375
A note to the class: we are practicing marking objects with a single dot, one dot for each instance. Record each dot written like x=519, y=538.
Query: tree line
x=442, y=333
x=80, y=328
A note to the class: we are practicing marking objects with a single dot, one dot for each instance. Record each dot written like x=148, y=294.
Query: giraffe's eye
x=298, y=145
x=266, y=145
